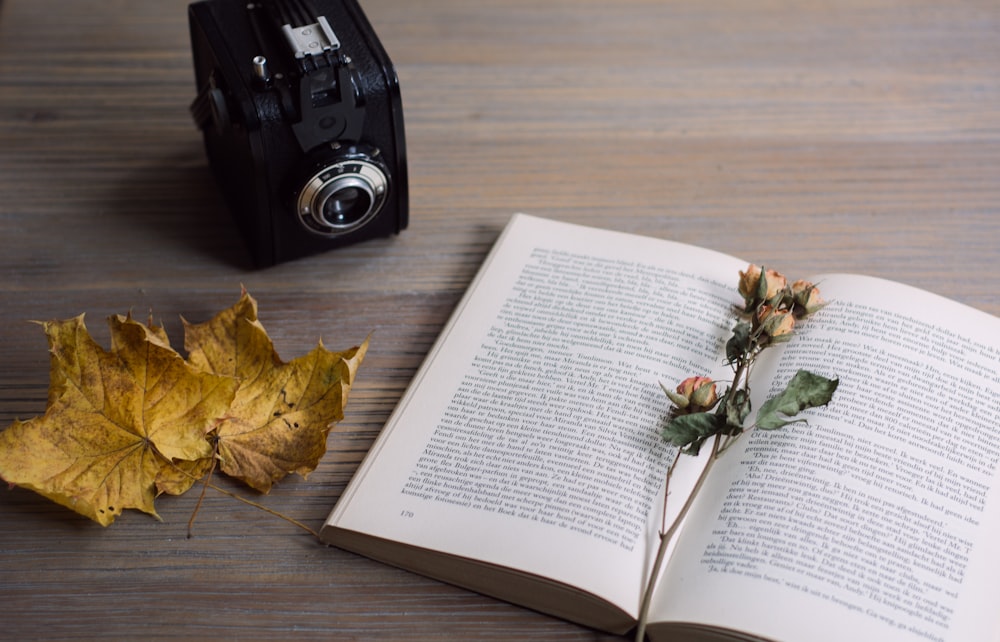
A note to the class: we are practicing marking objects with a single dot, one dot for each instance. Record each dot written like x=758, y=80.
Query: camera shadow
x=176, y=205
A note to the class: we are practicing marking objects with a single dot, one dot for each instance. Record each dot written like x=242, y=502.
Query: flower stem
x=667, y=535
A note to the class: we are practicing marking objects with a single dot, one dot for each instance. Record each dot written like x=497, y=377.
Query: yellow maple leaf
x=179, y=478
x=116, y=420
x=282, y=413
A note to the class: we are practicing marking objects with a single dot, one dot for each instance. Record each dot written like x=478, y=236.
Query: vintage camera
x=303, y=123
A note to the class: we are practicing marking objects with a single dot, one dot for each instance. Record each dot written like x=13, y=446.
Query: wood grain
x=857, y=136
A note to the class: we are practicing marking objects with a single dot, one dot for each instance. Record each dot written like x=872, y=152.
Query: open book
x=525, y=462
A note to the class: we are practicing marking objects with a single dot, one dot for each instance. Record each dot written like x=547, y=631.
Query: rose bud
x=749, y=286
x=775, y=323
x=806, y=299
x=695, y=394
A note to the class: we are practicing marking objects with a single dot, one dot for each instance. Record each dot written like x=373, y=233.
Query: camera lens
x=342, y=197
x=345, y=202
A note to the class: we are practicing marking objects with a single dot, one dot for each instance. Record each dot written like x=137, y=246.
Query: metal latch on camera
x=311, y=39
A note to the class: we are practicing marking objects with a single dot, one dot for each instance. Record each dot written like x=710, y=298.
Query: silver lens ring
x=342, y=197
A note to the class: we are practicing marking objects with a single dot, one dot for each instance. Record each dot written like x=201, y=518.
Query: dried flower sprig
x=772, y=309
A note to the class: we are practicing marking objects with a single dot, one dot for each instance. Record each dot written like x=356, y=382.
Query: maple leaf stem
x=201, y=498
x=208, y=484
x=288, y=519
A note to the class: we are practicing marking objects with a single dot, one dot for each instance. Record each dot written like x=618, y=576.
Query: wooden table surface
x=861, y=135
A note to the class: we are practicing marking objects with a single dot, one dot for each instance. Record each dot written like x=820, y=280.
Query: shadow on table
x=177, y=202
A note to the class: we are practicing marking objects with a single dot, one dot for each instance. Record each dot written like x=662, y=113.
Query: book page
x=530, y=437
x=878, y=520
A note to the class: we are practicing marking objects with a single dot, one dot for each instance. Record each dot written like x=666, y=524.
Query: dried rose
x=775, y=322
x=806, y=299
x=750, y=285
x=694, y=394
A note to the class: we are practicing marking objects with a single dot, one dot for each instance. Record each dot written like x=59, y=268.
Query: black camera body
x=303, y=123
